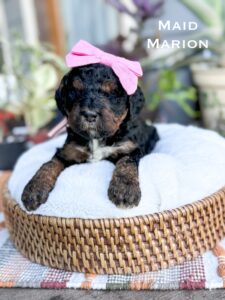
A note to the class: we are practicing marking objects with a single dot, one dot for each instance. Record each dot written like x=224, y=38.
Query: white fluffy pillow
x=187, y=164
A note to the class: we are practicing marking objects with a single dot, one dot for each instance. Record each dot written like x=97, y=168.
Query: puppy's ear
x=60, y=95
x=136, y=103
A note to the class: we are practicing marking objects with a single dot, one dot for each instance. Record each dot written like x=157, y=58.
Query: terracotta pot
x=211, y=84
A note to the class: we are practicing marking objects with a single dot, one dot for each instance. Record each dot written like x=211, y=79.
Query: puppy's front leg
x=124, y=189
x=38, y=188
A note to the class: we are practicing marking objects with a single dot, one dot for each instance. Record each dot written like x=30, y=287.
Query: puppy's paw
x=123, y=192
x=35, y=193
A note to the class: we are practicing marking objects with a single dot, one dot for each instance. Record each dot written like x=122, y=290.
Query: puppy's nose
x=89, y=115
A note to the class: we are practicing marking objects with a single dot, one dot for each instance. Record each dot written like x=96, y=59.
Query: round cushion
x=186, y=165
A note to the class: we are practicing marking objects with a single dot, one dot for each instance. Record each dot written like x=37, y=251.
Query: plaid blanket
x=206, y=271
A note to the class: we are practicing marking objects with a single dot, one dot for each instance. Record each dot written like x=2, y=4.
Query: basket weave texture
x=118, y=246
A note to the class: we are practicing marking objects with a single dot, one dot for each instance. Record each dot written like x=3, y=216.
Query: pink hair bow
x=126, y=70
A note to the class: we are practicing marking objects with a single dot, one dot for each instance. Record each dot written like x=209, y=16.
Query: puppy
x=103, y=123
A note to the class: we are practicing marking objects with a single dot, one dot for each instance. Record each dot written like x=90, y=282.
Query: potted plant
x=209, y=75
x=30, y=100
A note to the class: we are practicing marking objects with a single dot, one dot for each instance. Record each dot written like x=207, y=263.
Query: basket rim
x=118, y=246
x=165, y=214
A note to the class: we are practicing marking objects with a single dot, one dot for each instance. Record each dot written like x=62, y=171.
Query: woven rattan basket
x=118, y=246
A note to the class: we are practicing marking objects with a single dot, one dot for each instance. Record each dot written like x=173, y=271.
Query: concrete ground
x=70, y=294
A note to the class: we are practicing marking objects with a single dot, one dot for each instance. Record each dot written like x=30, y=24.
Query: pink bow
x=127, y=71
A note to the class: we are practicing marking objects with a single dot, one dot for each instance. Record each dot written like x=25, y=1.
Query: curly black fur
x=99, y=112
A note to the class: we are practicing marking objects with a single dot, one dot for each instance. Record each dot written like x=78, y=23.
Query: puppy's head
x=94, y=101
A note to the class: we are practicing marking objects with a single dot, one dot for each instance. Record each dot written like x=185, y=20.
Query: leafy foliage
x=169, y=88
x=36, y=71
x=211, y=13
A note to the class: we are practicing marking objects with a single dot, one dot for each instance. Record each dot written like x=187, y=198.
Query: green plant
x=36, y=71
x=170, y=88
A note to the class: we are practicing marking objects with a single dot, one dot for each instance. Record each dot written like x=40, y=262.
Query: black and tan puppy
x=103, y=123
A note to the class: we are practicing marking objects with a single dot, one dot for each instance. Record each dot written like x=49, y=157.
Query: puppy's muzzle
x=89, y=116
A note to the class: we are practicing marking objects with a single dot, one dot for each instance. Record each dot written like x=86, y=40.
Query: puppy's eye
x=108, y=86
x=77, y=84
